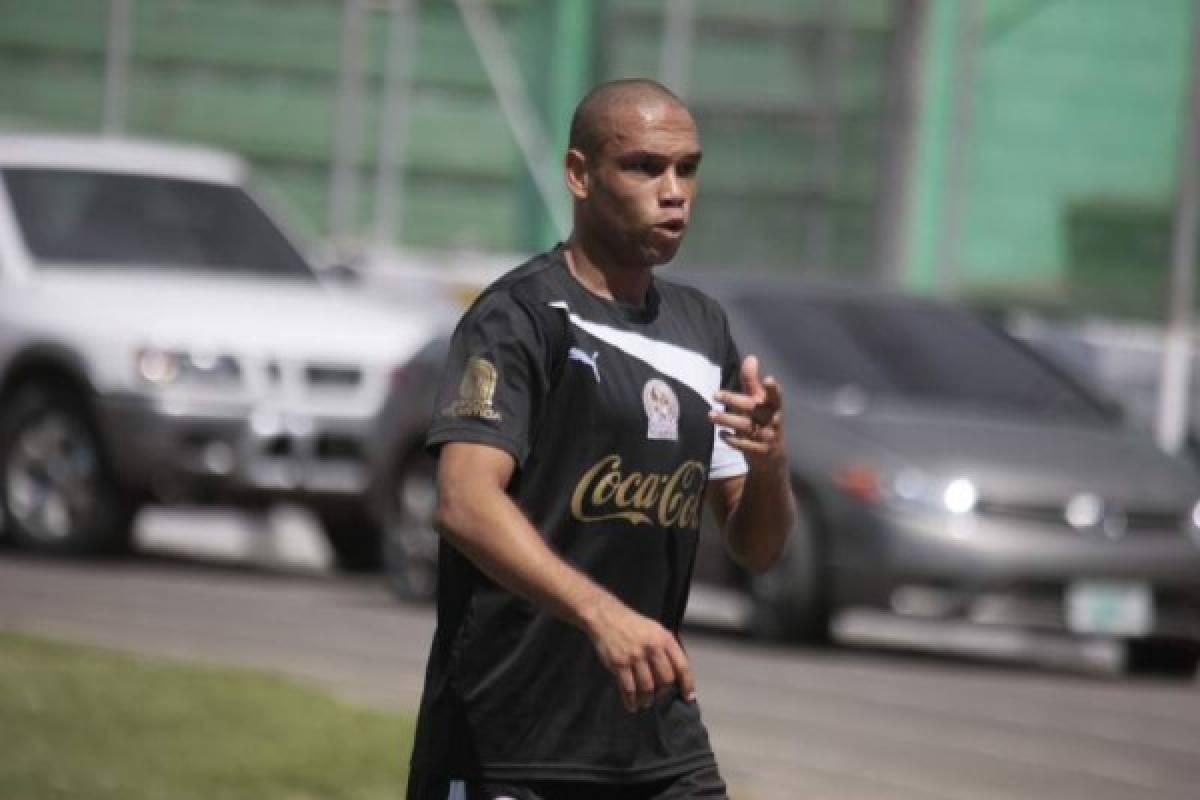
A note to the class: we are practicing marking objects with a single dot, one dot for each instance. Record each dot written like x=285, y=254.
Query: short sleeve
x=727, y=461
x=494, y=379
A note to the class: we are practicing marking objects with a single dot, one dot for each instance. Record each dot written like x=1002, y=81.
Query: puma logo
x=578, y=355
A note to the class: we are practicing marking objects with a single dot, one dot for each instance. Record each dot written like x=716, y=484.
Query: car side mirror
x=347, y=273
x=343, y=266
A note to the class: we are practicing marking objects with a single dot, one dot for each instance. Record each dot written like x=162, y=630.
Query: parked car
x=944, y=470
x=161, y=340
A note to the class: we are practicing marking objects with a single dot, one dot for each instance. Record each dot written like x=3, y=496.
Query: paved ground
x=786, y=723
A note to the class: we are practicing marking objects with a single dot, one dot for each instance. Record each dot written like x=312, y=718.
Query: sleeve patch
x=476, y=392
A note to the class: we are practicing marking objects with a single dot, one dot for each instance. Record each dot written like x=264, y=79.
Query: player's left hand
x=754, y=417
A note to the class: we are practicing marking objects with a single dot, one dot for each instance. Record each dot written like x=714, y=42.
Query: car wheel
x=57, y=491
x=353, y=537
x=1162, y=657
x=410, y=544
x=789, y=601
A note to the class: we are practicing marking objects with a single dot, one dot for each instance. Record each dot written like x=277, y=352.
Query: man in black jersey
x=588, y=409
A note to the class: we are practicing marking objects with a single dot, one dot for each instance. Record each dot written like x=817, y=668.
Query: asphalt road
x=850, y=722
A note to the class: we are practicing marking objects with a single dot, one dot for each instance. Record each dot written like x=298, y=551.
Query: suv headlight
x=1194, y=523
x=161, y=367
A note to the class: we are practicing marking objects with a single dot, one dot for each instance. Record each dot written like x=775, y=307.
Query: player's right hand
x=644, y=657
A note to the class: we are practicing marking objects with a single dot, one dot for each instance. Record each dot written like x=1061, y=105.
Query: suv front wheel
x=57, y=491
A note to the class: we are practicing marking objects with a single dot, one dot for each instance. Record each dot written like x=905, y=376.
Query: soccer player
x=588, y=408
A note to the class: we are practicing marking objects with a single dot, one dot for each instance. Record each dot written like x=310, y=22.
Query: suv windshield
x=71, y=217
x=915, y=353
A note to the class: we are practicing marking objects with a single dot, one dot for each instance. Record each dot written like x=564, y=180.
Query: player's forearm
x=758, y=526
x=489, y=529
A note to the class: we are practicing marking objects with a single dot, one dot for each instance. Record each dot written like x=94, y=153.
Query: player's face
x=643, y=182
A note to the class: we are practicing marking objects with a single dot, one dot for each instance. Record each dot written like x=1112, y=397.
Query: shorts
x=704, y=783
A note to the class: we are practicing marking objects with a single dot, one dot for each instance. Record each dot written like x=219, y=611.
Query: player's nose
x=670, y=191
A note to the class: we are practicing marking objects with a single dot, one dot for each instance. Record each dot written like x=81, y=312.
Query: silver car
x=944, y=470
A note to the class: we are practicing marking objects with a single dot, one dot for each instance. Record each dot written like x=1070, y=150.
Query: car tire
x=1162, y=657
x=410, y=543
x=58, y=492
x=789, y=601
x=354, y=539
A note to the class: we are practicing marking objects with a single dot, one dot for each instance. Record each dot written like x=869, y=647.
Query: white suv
x=162, y=341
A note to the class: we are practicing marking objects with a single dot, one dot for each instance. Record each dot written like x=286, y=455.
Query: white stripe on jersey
x=458, y=791
x=688, y=367
x=727, y=461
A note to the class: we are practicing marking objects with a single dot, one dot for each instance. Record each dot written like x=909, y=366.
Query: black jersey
x=604, y=408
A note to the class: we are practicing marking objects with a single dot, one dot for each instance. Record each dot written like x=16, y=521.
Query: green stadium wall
x=260, y=77
x=1071, y=155
x=1065, y=188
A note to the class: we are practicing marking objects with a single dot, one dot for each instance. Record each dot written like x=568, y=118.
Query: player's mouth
x=672, y=228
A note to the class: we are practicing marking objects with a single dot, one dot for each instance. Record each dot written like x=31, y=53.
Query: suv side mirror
x=344, y=272
x=343, y=265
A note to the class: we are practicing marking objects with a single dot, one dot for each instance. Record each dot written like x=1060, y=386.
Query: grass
x=79, y=722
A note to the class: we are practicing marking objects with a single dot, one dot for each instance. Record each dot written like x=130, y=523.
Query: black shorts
x=701, y=784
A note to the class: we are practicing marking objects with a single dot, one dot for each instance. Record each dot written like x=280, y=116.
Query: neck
x=603, y=276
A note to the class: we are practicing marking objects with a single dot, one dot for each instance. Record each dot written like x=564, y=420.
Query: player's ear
x=575, y=168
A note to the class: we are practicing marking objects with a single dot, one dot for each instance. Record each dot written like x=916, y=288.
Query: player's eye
x=645, y=165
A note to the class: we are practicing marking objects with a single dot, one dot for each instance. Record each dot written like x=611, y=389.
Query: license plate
x=1112, y=609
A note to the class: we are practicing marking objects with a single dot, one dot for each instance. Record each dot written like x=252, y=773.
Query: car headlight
x=910, y=487
x=1194, y=523
x=960, y=496
x=161, y=367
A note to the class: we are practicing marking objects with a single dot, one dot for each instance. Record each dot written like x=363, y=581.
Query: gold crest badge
x=476, y=391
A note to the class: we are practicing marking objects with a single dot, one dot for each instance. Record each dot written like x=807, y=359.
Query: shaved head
x=592, y=126
x=632, y=168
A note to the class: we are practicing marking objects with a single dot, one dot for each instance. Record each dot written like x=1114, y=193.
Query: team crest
x=662, y=410
x=476, y=391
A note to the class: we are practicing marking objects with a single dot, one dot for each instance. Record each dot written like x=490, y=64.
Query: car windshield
x=76, y=218
x=915, y=354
